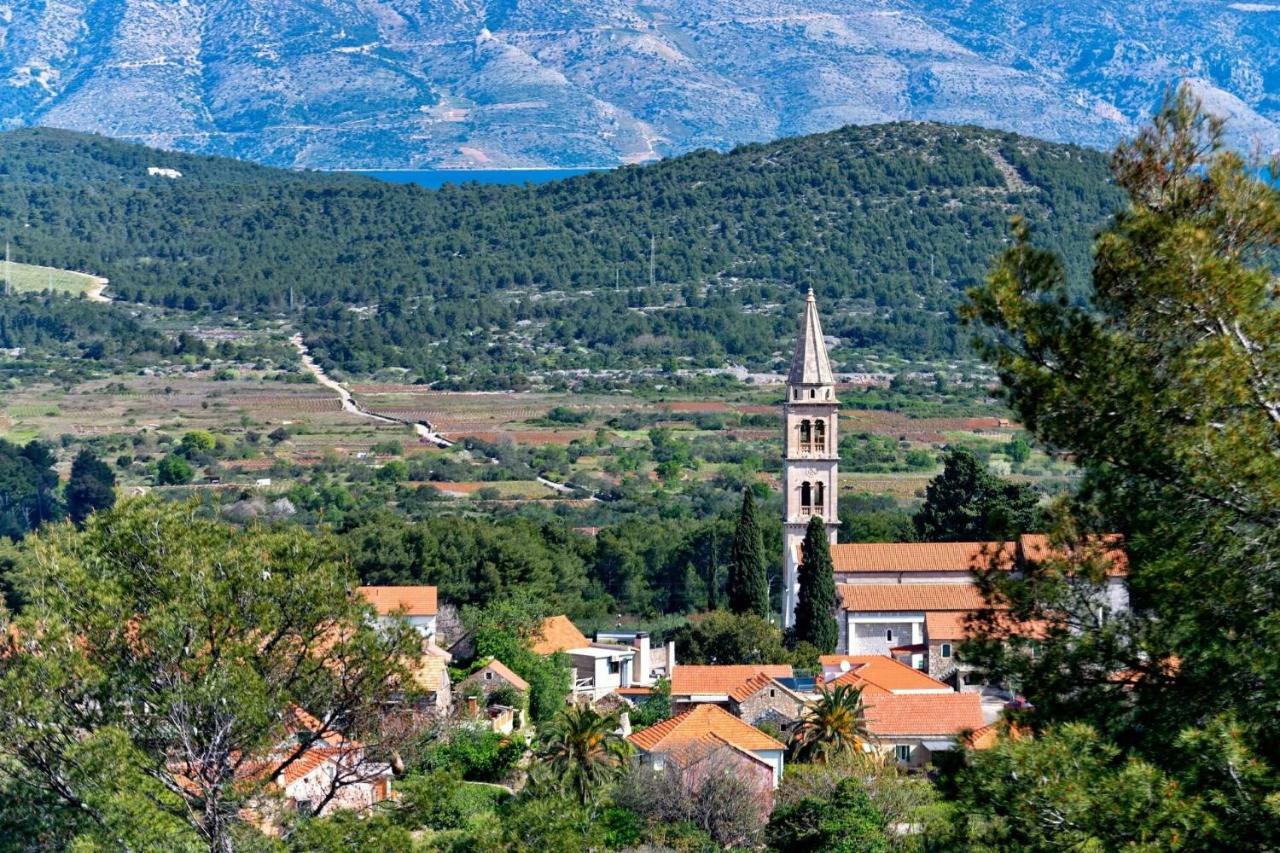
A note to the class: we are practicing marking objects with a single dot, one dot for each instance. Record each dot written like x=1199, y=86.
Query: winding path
x=351, y=405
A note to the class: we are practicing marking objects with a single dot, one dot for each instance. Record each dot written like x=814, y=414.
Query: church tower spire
x=810, y=478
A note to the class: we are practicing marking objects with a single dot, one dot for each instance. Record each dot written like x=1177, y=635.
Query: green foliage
x=725, y=638
x=28, y=488
x=173, y=470
x=580, y=752
x=477, y=755
x=441, y=800
x=845, y=822
x=197, y=441
x=816, y=602
x=504, y=631
x=748, y=578
x=237, y=237
x=92, y=486
x=655, y=707
x=348, y=830
x=832, y=725
x=1163, y=387
x=1086, y=796
x=113, y=703
x=967, y=503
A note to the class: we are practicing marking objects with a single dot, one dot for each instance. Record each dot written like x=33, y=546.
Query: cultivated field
x=28, y=278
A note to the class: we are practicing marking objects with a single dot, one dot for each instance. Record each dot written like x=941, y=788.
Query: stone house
x=762, y=699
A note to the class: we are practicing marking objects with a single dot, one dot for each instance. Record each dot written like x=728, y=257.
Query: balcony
x=811, y=447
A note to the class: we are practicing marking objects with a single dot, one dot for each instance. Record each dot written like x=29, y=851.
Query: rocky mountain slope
x=492, y=83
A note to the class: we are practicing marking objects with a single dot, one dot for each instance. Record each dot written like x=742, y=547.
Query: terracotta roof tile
x=501, y=670
x=880, y=671
x=558, y=634
x=714, y=680
x=946, y=624
x=864, y=597
x=411, y=600
x=694, y=725
x=922, y=556
x=943, y=714
x=1036, y=547
x=754, y=685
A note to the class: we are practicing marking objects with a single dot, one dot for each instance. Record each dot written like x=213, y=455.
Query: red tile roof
x=946, y=714
x=1110, y=547
x=946, y=624
x=409, y=600
x=754, y=685
x=922, y=556
x=558, y=634
x=881, y=671
x=501, y=670
x=864, y=597
x=695, y=725
x=715, y=680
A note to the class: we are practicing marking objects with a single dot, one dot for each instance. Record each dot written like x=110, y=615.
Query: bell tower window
x=818, y=490
x=806, y=498
x=820, y=436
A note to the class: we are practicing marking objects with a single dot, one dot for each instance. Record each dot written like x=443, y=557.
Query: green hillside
x=479, y=283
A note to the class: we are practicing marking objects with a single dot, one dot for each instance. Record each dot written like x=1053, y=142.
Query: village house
x=913, y=727
x=709, y=728
x=598, y=668
x=878, y=674
x=723, y=685
x=415, y=604
x=489, y=678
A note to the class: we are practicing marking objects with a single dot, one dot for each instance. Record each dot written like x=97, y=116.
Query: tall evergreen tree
x=92, y=486
x=748, y=577
x=816, y=604
x=967, y=502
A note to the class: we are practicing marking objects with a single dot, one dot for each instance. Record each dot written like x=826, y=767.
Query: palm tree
x=582, y=751
x=833, y=724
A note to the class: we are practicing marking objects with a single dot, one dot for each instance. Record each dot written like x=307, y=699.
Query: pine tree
x=92, y=486
x=816, y=603
x=748, y=579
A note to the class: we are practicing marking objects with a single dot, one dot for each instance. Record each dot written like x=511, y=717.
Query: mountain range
x=342, y=84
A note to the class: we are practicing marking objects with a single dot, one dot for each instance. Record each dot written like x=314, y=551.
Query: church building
x=907, y=601
x=811, y=457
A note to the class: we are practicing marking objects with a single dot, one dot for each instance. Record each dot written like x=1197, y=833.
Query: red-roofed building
x=415, y=604
x=914, y=727
x=878, y=674
x=708, y=728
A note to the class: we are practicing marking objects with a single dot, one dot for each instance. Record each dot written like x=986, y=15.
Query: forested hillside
x=888, y=223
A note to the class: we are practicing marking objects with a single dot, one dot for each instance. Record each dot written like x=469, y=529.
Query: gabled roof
x=864, y=597
x=411, y=600
x=810, y=365
x=755, y=684
x=558, y=634
x=946, y=714
x=501, y=670
x=922, y=556
x=946, y=624
x=716, y=680
x=699, y=723
x=881, y=672
x=431, y=672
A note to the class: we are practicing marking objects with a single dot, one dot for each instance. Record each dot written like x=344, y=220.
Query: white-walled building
x=416, y=604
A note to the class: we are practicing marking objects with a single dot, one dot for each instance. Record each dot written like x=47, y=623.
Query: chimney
x=473, y=707
x=671, y=658
x=624, y=723
x=644, y=666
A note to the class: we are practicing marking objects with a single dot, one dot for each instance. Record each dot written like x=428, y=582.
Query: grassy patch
x=26, y=278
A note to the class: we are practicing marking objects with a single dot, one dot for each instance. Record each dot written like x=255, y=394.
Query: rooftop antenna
x=8, y=284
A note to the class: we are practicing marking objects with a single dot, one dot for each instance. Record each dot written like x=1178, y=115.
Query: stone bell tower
x=810, y=480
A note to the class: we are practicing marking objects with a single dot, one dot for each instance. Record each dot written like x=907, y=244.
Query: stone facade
x=772, y=704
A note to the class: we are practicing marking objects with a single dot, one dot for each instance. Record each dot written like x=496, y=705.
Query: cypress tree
x=816, y=603
x=92, y=486
x=748, y=579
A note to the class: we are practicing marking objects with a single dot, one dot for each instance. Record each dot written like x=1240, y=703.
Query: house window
x=773, y=693
x=888, y=635
x=902, y=752
x=488, y=676
x=615, y=667
x=946, y=650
